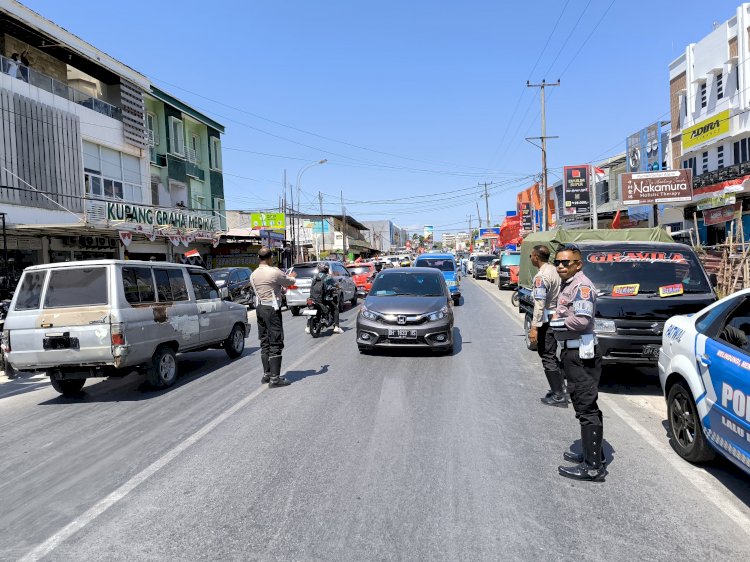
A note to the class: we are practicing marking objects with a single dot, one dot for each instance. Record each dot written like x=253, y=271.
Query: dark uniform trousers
x=270, y=330
x=583, y=385
x=546, y=347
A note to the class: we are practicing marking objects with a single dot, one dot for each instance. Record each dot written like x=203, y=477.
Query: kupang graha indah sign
x=648, y=188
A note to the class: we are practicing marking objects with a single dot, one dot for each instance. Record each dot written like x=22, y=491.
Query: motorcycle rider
x=330, y=296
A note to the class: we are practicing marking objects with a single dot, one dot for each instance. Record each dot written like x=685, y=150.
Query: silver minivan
x=78, y=320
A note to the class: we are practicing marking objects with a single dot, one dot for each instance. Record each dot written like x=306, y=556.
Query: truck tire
x=526, y=327
x=162, y=372
x=686, y=432
x=234, y=345
x=67, y=387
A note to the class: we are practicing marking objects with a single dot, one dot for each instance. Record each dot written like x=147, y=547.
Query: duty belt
x=266, y=303
x=570, y=344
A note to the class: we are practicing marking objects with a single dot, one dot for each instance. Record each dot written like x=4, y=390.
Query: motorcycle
x=319, y=315
x=515, y=299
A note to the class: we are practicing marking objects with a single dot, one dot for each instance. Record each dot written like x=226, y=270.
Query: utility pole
x=322, y=222
x=286, y=215
x=544, y=138
x=479, y=216
x=343, y=215
x=471, y=236
x=487, y=202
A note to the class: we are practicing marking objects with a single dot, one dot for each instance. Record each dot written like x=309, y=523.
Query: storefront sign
x=716, y=202
x=150, y=216
x=492, y=233
x=576, y=190
x=720, y=215
x=272, y=221
x=648, y=188
x=704, y=131
x=527, y=222
x=90, y=241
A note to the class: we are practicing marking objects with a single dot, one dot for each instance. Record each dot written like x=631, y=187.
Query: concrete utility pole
x=487, y=202
x=322, y=222
x=543, y=138
x=471, y=239
x=479, y=216
x=343, y=215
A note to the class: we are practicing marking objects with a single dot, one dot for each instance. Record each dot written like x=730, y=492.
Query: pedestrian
x=13, y=64
x=573, y=324
x=267, y=282
x=546, y=287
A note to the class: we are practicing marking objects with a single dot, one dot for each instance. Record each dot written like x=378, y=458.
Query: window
x=720, y=157
x=740, y=151
x=138, y=284
x=705, y=162
x=194, y=153
x=234, y=278
x=203, y=286
x=30, y=290
x=170, y=285
x=215, y=153
x=80, y=286
x=689, y=164
x=244, y=275
x=111, y=174
x=703, y=94
x=177, y=132
x=200, y=202
x=719, y=86
x=736, y=330
x=152, y=130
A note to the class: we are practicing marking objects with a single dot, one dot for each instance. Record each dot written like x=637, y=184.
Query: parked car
x=447, y=266
x=237, y=282
x=703, y=369
x=297, y=294
x=407, y=308
x=106, y=318
x=479, y=269
x=491, y=272
x=505, y=274
x=362, y=274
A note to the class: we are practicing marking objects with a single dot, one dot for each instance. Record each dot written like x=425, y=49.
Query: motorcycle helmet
x=323, y=268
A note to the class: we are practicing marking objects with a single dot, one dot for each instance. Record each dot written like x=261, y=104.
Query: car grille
x=410, y=321
x=639, y=327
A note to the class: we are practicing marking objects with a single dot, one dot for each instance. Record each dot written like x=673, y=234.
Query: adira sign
x=648, y=188
x=158, y=218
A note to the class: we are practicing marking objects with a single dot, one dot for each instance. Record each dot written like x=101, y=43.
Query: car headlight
x=368, y=314
x=604, y=326
x=439, y=315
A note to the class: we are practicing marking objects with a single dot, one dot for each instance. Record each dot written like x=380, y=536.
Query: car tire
x=162, y=372
x=234, y=345
x=526, y=327
x=456, y=301
x=295, y=310
x=685, y=428
x=69, y=387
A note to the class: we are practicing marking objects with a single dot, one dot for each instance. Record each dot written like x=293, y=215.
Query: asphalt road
x=405, y=457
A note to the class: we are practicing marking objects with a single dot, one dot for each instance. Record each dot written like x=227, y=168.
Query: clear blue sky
x=431, y=92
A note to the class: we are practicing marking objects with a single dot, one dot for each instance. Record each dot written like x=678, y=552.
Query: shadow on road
x=295, y=376
x=21, y=383
x=627, y=379
x=134, y=388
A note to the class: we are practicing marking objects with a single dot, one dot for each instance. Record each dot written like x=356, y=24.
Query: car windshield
x=510, y=259
x=306, y=271
x=442, y=264
x=358, y=269
x=407, y=284
x=219, y=275
x=648, y=268
x=484, y=259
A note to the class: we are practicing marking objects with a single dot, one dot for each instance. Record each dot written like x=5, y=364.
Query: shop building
x=384, y=236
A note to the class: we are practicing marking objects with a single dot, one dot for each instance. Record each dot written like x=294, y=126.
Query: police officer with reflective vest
x=267, y=283
x=546, y=288
x=573, y=325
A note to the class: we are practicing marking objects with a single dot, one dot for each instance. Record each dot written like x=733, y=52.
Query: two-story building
x=384, y=236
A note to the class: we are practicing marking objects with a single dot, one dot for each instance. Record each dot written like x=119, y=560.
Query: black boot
x=266, y=369
x=592, y=467
x=570, y=456
x=556, y=395
x=276, y=378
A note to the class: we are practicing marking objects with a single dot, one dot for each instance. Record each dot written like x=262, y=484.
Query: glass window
x=79, y=286
x=203, y=286
x=163, y=288
x=138, y=284
x=736, y=330
x=111, y=165
x=177, y=284
x=443, y=264
x=307, y=271
x=510, y=259
x=704, y=323
x=234, y=277
x=178, y=136
x=30, y=290
x=131, y=169
x=91, y=157
x=244, y=274
x=109, y=190
x=397, y=283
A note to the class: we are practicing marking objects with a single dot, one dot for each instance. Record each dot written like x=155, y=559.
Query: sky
x=413, y=103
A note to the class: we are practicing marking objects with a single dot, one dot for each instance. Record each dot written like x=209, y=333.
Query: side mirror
x=714, y=279
x=224, y=293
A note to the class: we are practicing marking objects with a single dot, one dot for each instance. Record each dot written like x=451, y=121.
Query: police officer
x=545, y=291
x=573, y=324
x=267, y=282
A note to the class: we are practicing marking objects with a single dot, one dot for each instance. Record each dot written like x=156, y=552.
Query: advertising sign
x=720, y=215
x=527, y=221
x=318, y=227
x=645, y=149
x=491, y=233
x=576, y=190
x=706, y=130
x=130, y=216
x=272, y=221
x=648, y=188
x=718, y=201
x=428, y=232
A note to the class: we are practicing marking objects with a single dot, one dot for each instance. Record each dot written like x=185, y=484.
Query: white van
x=106, y=318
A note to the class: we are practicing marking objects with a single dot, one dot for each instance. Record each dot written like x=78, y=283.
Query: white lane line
x=103, y=505
x=706, y=484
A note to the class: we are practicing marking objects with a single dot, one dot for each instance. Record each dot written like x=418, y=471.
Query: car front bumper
x=618, y=349
x=434, y=335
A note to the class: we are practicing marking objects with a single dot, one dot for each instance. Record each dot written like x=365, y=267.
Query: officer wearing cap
x=573, y=325
x=546, y=288
x=267, y=282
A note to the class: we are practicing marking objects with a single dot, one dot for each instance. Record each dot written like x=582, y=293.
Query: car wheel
x=295, y=310
x=313, y=323
x=526, y=327
x=234, y=345
x=456, y=301
x=687, y=437
x=69, y=387
x=163, y=370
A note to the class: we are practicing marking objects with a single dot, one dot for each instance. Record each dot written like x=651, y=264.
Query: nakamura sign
x=706, y=130
x=646, y=188
x=576, y=190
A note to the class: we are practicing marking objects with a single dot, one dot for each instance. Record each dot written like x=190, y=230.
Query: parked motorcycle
x=515, y=299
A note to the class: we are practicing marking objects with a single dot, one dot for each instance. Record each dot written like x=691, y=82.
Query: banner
x=126, y=237
x=649, y=188
x=720, y=215
x=706, y=130
x=576, y=190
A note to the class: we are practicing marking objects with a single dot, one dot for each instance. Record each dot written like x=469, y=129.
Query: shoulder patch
x=585, y=292
x=538, y=281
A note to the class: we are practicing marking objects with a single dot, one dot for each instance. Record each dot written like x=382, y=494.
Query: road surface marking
x=103, y=505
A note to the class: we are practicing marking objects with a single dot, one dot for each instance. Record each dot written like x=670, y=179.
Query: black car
x=407, y=308
x=237, y=280
x=480, y=265
x=507, y=260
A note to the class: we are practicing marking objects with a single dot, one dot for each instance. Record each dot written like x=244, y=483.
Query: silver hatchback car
x=297, y=294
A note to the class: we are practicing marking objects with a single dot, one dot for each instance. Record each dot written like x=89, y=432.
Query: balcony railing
x=718, y=176
x=194, y=170
x=49, y=84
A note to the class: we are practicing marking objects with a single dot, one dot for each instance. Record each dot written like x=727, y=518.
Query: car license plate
x=309, y=312
x=651, y=352
x=451, y=283
x=403, y=334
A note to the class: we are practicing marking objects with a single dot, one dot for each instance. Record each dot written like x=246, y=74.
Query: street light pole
x=295, y=228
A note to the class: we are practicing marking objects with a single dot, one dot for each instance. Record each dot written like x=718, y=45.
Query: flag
x=616, y=221
x=599, y=175
x=192, y=253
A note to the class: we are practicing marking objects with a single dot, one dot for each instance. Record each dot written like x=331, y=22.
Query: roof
x=349, y=219
x=93, y=263
x=393, y=270
x=185, y=108
x=436, y=255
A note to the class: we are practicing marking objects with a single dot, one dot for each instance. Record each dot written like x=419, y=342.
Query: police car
x=704, y=370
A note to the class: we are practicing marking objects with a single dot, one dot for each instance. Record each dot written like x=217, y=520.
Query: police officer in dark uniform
x=267, y=282
x=573, y=324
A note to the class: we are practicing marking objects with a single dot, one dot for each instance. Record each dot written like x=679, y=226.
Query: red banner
x=720, y=215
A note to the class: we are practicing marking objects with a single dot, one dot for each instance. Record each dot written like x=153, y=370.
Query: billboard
x=645, y=149
x=527, y=221
x=576, y=190
x=428, y=229
x=649, y=188
x=706, y=130
x=271, y=221
x=491, y=233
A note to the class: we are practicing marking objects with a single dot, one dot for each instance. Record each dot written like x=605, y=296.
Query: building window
x=215, y=153
x=705, y=162
x=200, y=202
x=177, y=132
x=194, y=150
x=689, y=164
x=703, y=95
x=152, y=129
x=740, y=151
x=111, y=174
x=719, y=86
x=720, y=157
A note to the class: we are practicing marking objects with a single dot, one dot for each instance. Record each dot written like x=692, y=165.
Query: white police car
x=704, y=369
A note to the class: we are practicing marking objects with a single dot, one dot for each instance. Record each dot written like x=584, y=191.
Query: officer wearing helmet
x=330, y=295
